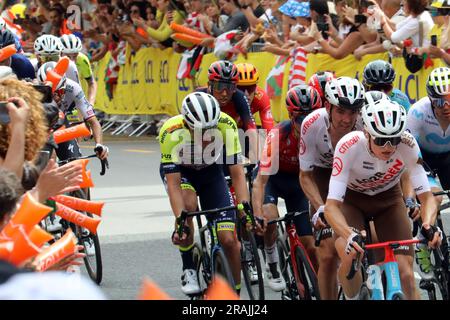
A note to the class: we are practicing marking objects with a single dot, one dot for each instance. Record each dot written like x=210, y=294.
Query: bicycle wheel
x=250, y=262
x=364, y=293
x=201, y=266
x=290, y=293
x=91, y=244
x=398, y=296
x=222, y=267
x=307, y=276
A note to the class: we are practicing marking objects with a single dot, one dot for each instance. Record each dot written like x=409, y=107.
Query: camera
x=434, y=40
x=360, y=19
x=322, y=26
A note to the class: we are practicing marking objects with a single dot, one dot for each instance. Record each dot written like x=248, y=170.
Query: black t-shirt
x=259, y=11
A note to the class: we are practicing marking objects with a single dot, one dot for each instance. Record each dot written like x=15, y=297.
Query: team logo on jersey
x=308, y=123
x=302, y=146
x=337, y=166
x=346, y=145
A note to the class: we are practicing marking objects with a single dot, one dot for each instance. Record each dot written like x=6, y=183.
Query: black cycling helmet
x=378, y=72
x=6, y=38
x=303, y=98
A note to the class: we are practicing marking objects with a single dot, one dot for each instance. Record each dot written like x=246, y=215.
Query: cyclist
x=318, y=81
x=278, y=177
x=429, y=123
x=367, y=167
x=186, y=173
x=68, y=95
x=321, y=130
x=71, y=47
x=20, y=64
x=379, y=75
x=48, y=48
x=257, y=97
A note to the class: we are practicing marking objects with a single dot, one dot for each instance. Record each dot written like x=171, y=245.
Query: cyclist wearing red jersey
x=278, y=178
x=321, y=130
x=318, y=81
x=258, y=98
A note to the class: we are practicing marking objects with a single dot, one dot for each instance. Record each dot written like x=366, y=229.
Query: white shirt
x=409, y=28
x=356, y=168
x=74, y=98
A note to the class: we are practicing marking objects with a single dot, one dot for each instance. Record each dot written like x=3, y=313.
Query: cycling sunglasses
x=440, y=102
x=384, y=87
x=220, y=86
x=248, y=89
x=345, y=103
x=71, y=56
x=382, y=142
x=48, y=58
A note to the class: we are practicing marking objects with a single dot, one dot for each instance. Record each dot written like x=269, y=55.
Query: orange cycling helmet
x=248, y=74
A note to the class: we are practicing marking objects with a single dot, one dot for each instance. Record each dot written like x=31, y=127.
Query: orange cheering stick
x=78, y=218
x=150, y=291
x=85, y=175
x=78, y=131
x=62, y=66
x=142, y=32
x=182, y=29
x=188, y=38
x=61, y=249
x=7, y=52
x=81, y=204
x=220, y=290
x=6, y=247
x=39, y=236
x=28, y=215
x=24, y=248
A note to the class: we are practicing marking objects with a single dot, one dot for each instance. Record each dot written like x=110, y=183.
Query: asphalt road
x=137, y=222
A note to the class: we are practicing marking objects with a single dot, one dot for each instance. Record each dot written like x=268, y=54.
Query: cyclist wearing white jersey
x=367, y=167
x=320, y=132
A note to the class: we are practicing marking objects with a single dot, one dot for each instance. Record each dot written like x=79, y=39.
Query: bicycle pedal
x=426, y=285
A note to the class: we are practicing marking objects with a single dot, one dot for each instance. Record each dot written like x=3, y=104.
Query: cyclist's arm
x=310, y=188
x=92, y=90
x=175, y=192
x=406, y=185
x=96, y=129
x=336, y=219
x=265, y=113
x=258, y=193
x=237, y=175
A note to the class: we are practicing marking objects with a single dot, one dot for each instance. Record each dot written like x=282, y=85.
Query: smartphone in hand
x=4, y=114
x=434, y=40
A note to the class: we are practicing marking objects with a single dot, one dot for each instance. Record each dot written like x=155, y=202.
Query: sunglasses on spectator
x=248, y=89
x=382, y=142
x=220, y=86
x=440, y=102
x=384, y=87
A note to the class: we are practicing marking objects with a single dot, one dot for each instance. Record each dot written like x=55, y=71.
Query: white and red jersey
x=316, y=149
x=355, y=167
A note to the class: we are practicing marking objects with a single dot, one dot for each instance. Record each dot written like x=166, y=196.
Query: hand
x=317, y=220
x=349, y=13
x=396, y=51
x=413, y=208
x=359, y=53
x=268, y=47
x=19, y=111
x=261, y=225
x=139, y=22
x=169, y=16
x=432, y=234
x=207, y=42
x=332, y=30
x=101, y=151
x=72, y=260
x=354, y=242
x=185, y=240
x=55, y=180
x=435, y=51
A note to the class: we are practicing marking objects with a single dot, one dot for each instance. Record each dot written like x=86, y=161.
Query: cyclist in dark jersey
x=278, y=177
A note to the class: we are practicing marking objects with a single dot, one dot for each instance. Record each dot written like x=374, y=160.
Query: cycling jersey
x=356, y=168
x=74, y=98
x=281, y=145
x=261, y=104
x=238, y=108
x=71, y=72
x=22, y=67
x=84, y=66
x=423, y=125
x=179, y=149
x=402, y=99
x=315, y=143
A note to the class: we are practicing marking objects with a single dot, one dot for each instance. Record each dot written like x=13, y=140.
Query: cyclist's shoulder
x=260, y=94
x=312, y=122
x=423, y=104
x=350, y=142
x=83, y=61
x=397, y=93
x=226, y=122
x=172, y=124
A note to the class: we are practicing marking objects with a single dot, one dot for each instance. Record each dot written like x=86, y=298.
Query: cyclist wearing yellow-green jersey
x=191, y=147
x=72, y=47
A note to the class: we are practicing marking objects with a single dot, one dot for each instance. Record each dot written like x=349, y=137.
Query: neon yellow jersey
x=178, y=148
x=84, y=71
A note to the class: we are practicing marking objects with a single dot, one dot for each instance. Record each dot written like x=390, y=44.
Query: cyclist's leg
x=67, y=150
x=326, y=252
x=393, y=214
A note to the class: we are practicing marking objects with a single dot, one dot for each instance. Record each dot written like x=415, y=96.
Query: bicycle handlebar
x=441, y=193
x=104, y=162
x=287, y=217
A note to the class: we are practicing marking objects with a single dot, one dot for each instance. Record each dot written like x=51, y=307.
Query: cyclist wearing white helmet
x=186, y=173
x=320, y=132
x=48, y=48
x=71, y=47
x=68, y=96
x=367, y=167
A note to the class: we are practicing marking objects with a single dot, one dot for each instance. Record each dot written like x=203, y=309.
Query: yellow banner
x=147, y=83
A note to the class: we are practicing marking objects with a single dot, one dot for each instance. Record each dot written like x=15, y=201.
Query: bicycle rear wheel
x=250, y=262
x=307, y=276
x=201, y=266
x=290, y=293
x=222, y=267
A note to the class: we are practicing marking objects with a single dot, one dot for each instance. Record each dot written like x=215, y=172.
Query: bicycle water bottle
x=374, y=282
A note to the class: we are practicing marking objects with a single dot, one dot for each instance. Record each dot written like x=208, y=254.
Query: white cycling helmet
x=42, y=74
x=345, y=92
x=200, y=110
x=438, y=83
x=70, y=44
x=374, y=96
x=6, y=72
x=47, y=44
x=384, y=118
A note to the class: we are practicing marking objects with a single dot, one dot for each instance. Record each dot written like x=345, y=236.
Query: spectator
x=20, y=64
x=237, y=19
x=442, y=19
x=215, y=16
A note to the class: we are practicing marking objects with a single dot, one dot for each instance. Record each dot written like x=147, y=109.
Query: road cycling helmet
x=42, y=74
x=345, y=92
x=319, y=80
x=200, y=110
x=438, y=83
x=378, y=72
x=224, y=71
x=47, y=44
x=384, y=118
x=248, y=74
x=7, y=38
x=374, y=96
x=70, y=44
x=303, y=98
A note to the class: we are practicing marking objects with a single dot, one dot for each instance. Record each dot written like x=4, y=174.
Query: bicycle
x=295, y=265
x=93, y=260
x=209, y=257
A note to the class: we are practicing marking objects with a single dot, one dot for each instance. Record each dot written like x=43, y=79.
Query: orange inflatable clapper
x=188, y=38
x=59, y=250
x=7, y=52
x=87, y=180
x=220, y=290
x=81, y=204
x=151, y=291
x=78, y=218
x=62, y=66
x=182, y=29
x=39, y=236
x=6, y=247
x=78, y=131
x=24, y=248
